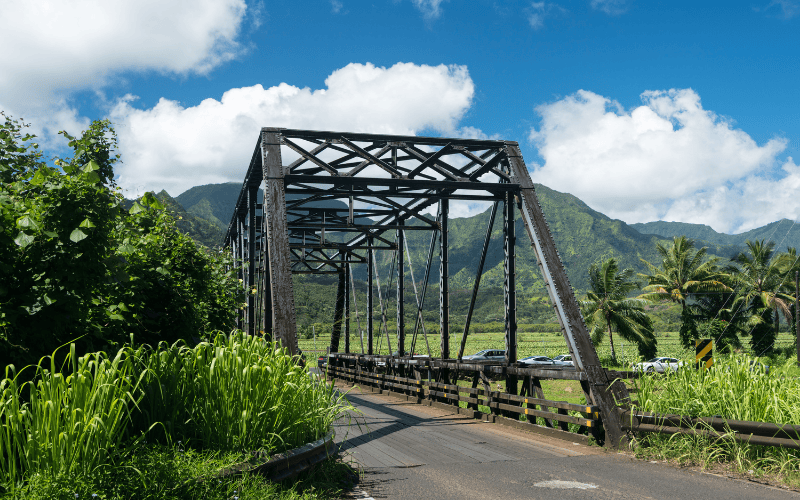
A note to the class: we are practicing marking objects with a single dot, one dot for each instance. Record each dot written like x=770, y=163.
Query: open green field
x=529, y=344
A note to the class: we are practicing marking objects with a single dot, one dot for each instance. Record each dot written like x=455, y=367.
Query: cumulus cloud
x=666, y=159
x=54, y=47
x=173, y=147
x=610, y=7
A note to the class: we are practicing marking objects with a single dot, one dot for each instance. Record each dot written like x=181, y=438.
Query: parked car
x=564, y=359
x=487, y=354
x=537, y=361
x=659, y=365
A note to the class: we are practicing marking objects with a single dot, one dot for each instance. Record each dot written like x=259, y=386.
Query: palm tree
x=608, y=308
x=684, y=271
x=762, y=290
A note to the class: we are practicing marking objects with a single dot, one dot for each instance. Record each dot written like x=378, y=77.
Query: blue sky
x=645, y=110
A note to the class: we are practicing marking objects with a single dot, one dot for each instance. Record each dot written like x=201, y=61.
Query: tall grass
x=734, y=388
x=236, y=393
x=56, y=423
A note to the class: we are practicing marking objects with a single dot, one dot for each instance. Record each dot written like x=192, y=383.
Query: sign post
x=704, y=353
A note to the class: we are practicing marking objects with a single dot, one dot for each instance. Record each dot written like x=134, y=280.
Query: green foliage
x=683, y=273
x=237, y=393
x=607, y=308
x=75, y=264
x=762, y=288
x=734, y=388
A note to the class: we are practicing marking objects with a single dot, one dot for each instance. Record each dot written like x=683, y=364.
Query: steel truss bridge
x=343, y=196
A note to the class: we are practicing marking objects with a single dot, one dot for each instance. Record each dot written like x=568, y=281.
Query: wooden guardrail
x=557, y=415
x=759, y=433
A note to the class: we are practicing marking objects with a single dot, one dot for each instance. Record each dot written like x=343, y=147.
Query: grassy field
x=529, y=344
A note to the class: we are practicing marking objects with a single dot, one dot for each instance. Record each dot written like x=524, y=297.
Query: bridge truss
x=342, y=196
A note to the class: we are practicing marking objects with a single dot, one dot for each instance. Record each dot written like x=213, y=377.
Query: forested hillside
x=784, y=233
x=582, y=235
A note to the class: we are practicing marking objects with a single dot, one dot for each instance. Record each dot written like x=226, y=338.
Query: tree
x=608, y=308
x=76, y=266
x=762, y=290
x=683, y=272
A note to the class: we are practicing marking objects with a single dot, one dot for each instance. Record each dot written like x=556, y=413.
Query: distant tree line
x=744, y=298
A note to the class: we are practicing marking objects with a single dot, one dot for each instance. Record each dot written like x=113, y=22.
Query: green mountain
x=785, y=233
x=212, y=202
x=200, y=229
x=583, y=236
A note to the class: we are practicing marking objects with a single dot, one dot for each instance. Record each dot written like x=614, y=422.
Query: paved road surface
x=411, y=451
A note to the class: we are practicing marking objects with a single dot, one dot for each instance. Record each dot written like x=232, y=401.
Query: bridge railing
x=437, y=381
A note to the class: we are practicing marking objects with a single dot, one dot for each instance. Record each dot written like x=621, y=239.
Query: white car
x=538, y=362
x=487, y=354
x=564, y=360
x=659, y=365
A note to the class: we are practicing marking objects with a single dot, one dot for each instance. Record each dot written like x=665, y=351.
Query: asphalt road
x=411, y=451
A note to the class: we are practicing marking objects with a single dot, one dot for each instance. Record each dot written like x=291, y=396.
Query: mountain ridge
x=583, y=236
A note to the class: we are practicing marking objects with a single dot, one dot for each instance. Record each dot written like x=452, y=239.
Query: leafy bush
x=75, y=264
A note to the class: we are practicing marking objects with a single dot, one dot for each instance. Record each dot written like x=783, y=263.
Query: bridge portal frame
x=389, y=182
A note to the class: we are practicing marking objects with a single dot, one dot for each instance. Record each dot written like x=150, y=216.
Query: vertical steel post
x=510, y=288
x=444, y=278
x=284, y=321
x=401, y=321
x=252, y=193
x=355, y=306
x=240, y=246
x=346, y=274
x=370, y=302
x=338, y=314
x=267, y=291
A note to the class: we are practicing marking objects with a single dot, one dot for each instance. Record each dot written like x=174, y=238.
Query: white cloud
x=667, y=159
x=53, y=47
x=336, y=6
x=431, y=9
x=173, y=147
x=747, y=203
x=610, y=7
x=785, y=9
x=539, y=11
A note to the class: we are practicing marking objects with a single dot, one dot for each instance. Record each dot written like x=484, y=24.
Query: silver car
x=487, y=354
x=564, y=360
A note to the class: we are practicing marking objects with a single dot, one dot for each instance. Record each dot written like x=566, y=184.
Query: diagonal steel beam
x=477, y=285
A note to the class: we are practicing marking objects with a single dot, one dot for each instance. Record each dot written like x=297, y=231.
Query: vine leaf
x=26, y=221
x=77, y=235
x=87, y=223
x=23, y=239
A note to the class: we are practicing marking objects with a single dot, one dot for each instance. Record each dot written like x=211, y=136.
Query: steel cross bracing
x=338, y=197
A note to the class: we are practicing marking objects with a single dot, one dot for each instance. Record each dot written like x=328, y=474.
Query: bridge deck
x=413, y=451
x=393, y=433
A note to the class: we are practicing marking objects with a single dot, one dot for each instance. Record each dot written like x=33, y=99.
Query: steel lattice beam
x=331, y=205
